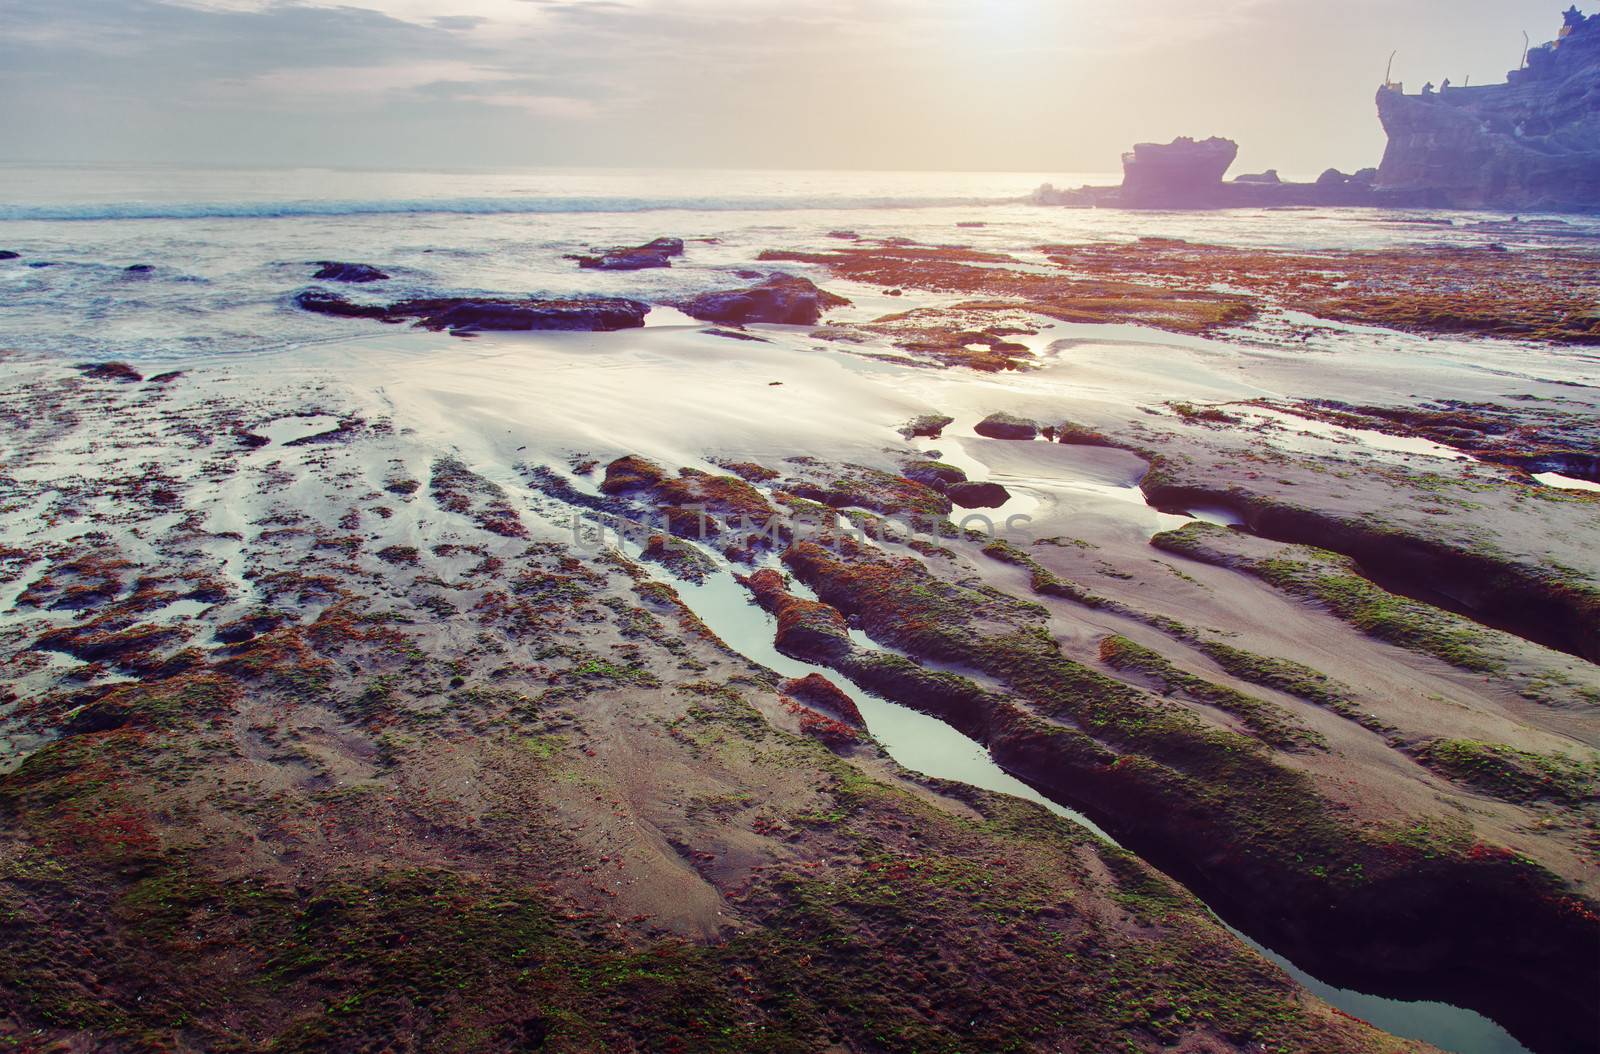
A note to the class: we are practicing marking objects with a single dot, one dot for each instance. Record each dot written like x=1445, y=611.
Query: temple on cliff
x=1576, y=26
x=1528, y=144
x=1532, y=142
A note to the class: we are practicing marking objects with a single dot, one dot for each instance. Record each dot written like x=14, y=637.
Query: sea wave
x=139, y=210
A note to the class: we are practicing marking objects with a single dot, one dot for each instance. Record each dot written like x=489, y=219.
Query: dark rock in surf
x=7, y=254
x=1270, y=176
x=321, y=302
x=782, y=299
x=120, y=372
x=978, y=495
x=595, y=314
x=1007, y=426
x=657, y=253
x=471, y=314
x=355, y=274
x=668, y=246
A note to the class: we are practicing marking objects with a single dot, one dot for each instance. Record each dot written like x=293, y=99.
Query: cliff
x=1533, y=142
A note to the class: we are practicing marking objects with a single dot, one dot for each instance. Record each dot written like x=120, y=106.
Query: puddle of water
x=180, y=610
x=916, y=741
x=952, y=450
x=669, y=316
x=1450, y=1028
x=288, y=429
x=1556, y=479
x=1216, y=514
x=1364, y=436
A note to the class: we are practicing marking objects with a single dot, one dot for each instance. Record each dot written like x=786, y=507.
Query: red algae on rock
x=816, y=690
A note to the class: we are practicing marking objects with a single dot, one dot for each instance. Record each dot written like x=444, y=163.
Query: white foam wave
x=139, y=210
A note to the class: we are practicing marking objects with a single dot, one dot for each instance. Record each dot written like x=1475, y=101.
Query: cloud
x=557, y=107
x=892, y=83
x=365, y=85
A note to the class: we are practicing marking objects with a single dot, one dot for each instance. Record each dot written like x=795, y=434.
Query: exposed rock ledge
x=466, y=314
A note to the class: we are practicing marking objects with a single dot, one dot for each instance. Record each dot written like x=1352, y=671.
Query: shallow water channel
x=927, y=745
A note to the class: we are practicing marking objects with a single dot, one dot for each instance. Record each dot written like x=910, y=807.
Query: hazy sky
x=1046, y=85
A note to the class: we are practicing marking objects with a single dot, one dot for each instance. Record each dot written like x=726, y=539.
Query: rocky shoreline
x=366, y=699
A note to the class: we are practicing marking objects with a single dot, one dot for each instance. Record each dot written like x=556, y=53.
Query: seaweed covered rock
x=680, y=558
x=783, y=299
x=817, y=691
x=1074, y=434
x=694, y=503
x=1007, y=426
x=631, y=473
x=927, y=426
x=935, y=474
x=807, y=629
x=847, y=485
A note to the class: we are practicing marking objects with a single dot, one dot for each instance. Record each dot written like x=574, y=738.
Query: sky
x=997, y=85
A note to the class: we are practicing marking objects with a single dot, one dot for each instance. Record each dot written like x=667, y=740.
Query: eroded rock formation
x=1178, y=173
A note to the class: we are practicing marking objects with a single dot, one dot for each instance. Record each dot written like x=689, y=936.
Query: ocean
x=227, y=249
